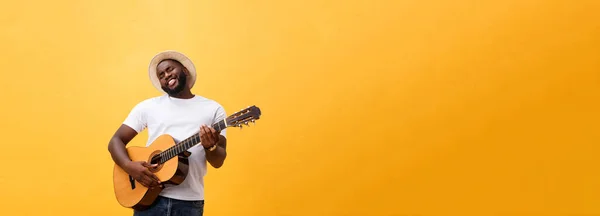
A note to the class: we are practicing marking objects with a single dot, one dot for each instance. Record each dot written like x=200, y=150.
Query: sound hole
x=155, y=159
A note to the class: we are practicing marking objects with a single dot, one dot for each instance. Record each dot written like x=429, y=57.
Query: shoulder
x=212, y=107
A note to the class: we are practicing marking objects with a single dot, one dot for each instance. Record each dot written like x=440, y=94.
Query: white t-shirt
x=180, y=118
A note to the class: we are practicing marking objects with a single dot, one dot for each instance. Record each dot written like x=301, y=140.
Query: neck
x=184, y=94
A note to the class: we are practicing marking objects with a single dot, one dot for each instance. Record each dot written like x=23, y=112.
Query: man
x=179, y=113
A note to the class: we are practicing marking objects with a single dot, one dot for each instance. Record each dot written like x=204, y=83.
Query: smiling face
x=172, y=76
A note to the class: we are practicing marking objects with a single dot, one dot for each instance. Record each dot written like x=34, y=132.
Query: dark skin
x=166, y=70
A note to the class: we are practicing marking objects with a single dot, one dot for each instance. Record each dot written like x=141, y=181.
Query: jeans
x=164, y=206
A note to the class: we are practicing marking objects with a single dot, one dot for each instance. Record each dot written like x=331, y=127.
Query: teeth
x=171, y=82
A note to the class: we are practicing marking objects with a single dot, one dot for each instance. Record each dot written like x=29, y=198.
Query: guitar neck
x=186, y=144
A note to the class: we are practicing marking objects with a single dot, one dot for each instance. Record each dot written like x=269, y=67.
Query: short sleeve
x=220, y=114
x=136, y=118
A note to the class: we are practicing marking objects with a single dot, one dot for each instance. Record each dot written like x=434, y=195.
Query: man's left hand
x=208, y=136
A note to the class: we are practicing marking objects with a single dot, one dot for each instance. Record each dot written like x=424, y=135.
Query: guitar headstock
x=243, y=117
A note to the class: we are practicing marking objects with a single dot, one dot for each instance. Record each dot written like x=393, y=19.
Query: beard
x=181, y=83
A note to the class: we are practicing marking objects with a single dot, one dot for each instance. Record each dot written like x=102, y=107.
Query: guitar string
x=170, y=152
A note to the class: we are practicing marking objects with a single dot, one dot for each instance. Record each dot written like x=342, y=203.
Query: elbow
x=218, y=164
x=111, y=144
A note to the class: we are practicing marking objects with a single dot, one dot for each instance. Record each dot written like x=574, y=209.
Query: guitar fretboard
x=186, y=144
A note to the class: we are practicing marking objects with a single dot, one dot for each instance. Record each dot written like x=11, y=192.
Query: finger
x=202, y=130
x=147, y=178
x=203, y=133
x=207, y=134
x=206, y=130
x=149, y=181
x=143, y=181
x=152, y=175
x=147, y=165
x=209, y=139
x=210, y=131
x=214, y=134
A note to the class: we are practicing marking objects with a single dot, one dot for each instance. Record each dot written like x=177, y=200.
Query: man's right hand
x=140, y=172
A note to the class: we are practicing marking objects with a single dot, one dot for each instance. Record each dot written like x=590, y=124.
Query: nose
x=168, y=75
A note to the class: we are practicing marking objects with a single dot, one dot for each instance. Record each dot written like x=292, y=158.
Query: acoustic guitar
x=172, y=160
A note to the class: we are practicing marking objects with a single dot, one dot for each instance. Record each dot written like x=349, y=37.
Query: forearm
x=117, y=150
x=217, y=156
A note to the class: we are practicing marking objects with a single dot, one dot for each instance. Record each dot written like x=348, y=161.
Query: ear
x=185, y=70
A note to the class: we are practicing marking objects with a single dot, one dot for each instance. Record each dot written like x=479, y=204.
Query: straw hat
x=171, y=54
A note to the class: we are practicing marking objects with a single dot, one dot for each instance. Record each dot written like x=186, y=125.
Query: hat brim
x=170, y=54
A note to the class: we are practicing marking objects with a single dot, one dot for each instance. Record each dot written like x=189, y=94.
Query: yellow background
x=369, y=107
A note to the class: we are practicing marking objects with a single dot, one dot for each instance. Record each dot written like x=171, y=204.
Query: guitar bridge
x=132, y=181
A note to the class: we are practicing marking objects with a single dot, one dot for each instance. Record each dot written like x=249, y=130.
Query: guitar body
x=132, y=194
